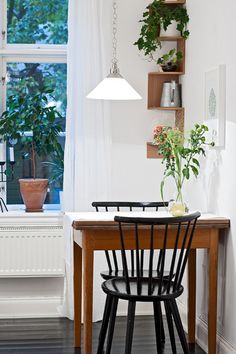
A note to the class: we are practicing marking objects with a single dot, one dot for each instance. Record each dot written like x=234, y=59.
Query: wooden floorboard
x=55, y=336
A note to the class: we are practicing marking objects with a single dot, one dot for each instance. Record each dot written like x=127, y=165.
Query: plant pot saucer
x=28, y=210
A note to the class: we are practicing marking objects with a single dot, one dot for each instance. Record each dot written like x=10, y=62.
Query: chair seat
x=117, y=287
x=106, y=275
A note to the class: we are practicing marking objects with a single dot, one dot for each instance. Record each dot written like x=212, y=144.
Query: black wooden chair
x=111, y=256
x=114, y=270
x=151, y=289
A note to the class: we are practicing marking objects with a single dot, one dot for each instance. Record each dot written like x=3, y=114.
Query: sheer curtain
x=88, y=132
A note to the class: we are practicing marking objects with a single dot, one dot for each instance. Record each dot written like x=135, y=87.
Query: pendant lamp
x=114, y=86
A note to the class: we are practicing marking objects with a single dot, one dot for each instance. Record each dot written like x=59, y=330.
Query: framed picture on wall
x=215, y=104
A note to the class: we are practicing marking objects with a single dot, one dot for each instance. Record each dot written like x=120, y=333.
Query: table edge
x=218, y=223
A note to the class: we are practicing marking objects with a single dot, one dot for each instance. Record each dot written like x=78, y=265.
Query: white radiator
x=31, y=251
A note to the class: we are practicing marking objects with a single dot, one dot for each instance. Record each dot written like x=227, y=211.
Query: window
x=37, y=21
x=33, y=56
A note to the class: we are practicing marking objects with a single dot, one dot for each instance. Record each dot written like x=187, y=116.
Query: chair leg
x=105, y=320
x=170, y=327
x=163, y=338
x=130, y=327
x=158, y=329
x=111, y=324
x=179, y=326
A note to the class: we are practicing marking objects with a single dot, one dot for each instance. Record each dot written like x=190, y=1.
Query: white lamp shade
x=114, y=88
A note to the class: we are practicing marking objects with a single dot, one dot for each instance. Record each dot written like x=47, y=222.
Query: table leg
x=88, y=296
x=192, y=296
x=212, y=299
x=77, y=293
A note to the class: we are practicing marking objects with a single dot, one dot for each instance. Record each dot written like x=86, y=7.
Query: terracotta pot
x=33, y=192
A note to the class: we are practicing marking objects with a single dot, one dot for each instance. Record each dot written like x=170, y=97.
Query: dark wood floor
x=55, y=336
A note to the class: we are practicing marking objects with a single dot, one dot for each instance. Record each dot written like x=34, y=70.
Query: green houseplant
x=56, y=168
x=34, y=123
x=156, y=16
x=180, y=157
x=169, y=61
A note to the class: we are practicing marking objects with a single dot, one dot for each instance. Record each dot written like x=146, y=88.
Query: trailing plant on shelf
x=156, y=16
x=169, y=61
x=180, y=157
x=33, y=122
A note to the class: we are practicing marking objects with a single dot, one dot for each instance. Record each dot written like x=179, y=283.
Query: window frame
x=34, y=53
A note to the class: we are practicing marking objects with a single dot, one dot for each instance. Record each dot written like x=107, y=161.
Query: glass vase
x=177, y=207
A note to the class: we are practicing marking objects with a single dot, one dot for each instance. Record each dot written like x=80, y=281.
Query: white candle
x=2, y=155
x=11, y=149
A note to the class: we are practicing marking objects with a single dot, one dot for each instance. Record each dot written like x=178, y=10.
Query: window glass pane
x=32, y=78
x=37, y=21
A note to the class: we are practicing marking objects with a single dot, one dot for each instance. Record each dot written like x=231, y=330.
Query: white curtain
x=88, y=132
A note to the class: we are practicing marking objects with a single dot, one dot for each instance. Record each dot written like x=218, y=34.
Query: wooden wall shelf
x=152, y=151
x=155, y=85
x=178, y=2
x=167, y=73
x=171, y=38
x=166, y=109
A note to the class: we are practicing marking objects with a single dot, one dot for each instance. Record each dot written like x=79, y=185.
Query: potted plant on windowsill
x=32, y=121
x=180, y=157
x=157, y=16
x=169, y=61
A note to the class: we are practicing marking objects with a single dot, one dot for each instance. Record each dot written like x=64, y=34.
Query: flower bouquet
x=180, y=157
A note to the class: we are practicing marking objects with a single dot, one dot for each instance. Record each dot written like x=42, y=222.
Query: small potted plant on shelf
x=32, y=121
x=180, y=157
x=169, y=61
x=157, y=16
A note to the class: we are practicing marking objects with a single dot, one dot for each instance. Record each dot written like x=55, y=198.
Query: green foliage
x=180, y=161
x=158, y=15
x=172, y=57
x=56, y=167
x=30, y=120
x=34, y=77
x=37, y=21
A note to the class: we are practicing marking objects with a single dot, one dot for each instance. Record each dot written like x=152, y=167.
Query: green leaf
x=186, y=172
x=162, y=190
x=196, y=162
x=195, y=170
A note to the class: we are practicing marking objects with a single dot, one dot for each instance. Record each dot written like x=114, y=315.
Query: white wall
x=134, y=177
x=212, y=42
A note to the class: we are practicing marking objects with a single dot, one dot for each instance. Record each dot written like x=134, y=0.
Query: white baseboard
x=223, y=345
x=30, y=307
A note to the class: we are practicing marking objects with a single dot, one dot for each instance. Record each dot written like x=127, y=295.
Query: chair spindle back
x=111, y=257
x=182, y=229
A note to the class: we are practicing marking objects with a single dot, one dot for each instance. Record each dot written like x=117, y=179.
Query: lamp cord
x=114, y=69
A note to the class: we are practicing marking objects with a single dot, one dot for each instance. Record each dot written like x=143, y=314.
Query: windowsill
x=16, y=211
x=46, y=207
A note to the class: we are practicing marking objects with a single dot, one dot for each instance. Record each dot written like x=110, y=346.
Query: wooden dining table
x=98, y=231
